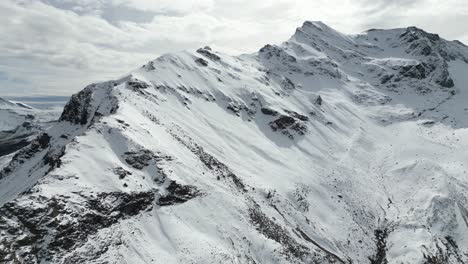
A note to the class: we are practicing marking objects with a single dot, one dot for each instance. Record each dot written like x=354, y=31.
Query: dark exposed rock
x=298, y=116
x=121, y=172
x=444, y=79
x=120, y=121
x=201, y=62
x=149, y=66
x=210, y=162
x=446, y=82
x=42, y=141
x=137, y=85
x=234, y=108
x=413, y=33
x=300, y=128
x=143, y=158
x=380, y=256
x=286, y=83
x=386, y=78
x=433, y=69
x=12, y=146
x=319, y=100
x=207, y=53
x=240, y=107
x=42, y=231
x=270, y=51
x=214, y=164
x=126, y=204
x=293, y=121
x=37, y=145
x=139, y=159
x=310, y=240
x=78, y=108
x=268, y=111
x=428, y=123
x=53, y=158
x=274, y=231
x=425, y=50
x=446, y=251
x=417, y=71
x=419, y=42
x=177, y=193
x=282, y=122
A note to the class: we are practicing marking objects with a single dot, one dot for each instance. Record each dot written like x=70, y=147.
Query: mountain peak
x=317, y=24
x=318, y=30
x=418, y=32
x=316, y=27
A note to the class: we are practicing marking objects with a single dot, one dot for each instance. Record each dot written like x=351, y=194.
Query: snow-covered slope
x=21, y=123
x=11, y=114
x=326, y=149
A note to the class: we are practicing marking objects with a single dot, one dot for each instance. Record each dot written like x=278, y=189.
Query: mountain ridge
x=328, y=148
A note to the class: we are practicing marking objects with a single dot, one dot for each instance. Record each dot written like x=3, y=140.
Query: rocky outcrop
x=139, y=159
x=48, y=228
x=77, y=110
x=206, y=51
x=94, y=101
x=290, y=123
x=38, y=145
x=177, y=193
x=201, y=62
x=269, y=52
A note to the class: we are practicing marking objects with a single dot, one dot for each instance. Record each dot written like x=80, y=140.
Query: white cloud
x=58, y=46
x=180, y=7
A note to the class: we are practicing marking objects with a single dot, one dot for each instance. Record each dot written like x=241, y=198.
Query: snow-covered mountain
x=5, y=104
x=328, y=148
x=20, y=123
x=13, y=114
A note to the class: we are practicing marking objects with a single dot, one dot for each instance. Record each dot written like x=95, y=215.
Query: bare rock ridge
x=327, y=148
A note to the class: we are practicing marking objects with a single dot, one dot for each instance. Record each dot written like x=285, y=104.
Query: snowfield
x=328, y=148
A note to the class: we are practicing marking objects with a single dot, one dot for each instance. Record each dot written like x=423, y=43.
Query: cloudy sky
x=56, y=47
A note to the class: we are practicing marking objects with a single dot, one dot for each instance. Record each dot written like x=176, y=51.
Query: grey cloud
x=372, y=7
x=109, y=11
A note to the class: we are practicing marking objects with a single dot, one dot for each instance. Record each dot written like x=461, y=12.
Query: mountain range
x=327, y=148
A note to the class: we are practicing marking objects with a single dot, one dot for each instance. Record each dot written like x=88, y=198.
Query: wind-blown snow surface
x=326, y=149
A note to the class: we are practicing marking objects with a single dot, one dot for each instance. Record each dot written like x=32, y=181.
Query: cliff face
x=328, y=148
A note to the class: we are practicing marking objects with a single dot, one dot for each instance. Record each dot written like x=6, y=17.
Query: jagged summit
x=421, y=33
x=318, y=31
x=328, y=148
x=318, y=26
